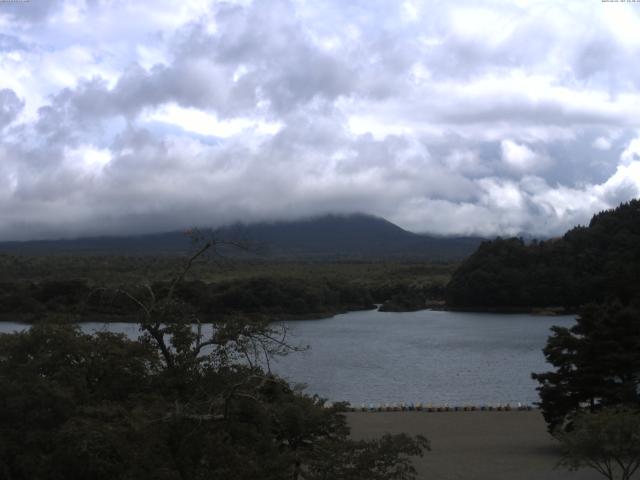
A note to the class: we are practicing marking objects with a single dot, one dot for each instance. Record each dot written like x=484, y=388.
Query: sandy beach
x=475, y=445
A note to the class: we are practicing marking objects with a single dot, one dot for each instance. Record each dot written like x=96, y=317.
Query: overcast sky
x=451, y=117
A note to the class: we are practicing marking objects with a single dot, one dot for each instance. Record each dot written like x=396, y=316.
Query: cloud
x=521, y=158
x=466, y=117
x=602, y=143
x=30, y=11
x=631, y=154
x=10, y=106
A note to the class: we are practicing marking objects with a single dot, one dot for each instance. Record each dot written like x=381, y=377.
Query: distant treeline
x=275, y=297
x=270, y=292
x=588, y=264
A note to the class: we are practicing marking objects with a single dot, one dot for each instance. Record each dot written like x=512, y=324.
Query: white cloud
x=203, y=123
x=632, y=152
x=466, y=160
x=622, y=185
x=602, y=143
x=87, y=158
x=521, y=158
x=489, y=117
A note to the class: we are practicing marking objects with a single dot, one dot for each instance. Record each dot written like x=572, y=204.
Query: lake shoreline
x=69, y=318
x=541, y=311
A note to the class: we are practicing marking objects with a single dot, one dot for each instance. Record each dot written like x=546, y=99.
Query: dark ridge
x=329, y=237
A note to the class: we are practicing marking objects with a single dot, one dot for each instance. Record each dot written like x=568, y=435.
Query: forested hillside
x=588, y=264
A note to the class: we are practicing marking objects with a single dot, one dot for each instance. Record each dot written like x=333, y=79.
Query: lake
x=426, y=356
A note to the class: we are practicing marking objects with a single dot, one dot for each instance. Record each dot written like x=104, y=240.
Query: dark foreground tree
x=607, y=441
x=597, y=364
x=184, y=401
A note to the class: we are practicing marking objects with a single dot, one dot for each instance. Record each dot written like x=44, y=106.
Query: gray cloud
x=10, y=106
x=457, y=118
x=11, y=43
x=29, y=11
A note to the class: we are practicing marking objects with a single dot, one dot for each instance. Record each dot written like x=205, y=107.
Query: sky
x=483, y=117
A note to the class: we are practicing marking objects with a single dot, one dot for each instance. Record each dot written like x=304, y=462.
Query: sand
x=475, y=445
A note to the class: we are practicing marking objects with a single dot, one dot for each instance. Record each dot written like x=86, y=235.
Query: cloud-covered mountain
x=329, y=237
x=468, y=117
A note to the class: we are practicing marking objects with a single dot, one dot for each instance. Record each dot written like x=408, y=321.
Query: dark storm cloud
x=469, y=117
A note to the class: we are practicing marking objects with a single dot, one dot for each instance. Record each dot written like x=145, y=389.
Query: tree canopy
x=597, y=363
x=607, y=441
x=594, y=263
x=173, y=404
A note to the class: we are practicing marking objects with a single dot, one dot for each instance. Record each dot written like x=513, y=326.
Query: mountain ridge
x=331, y=236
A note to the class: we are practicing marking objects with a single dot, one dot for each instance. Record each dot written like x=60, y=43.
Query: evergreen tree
x=597, y=363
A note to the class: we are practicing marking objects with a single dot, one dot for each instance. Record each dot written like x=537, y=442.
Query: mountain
x=329, y=237
x=598, y=262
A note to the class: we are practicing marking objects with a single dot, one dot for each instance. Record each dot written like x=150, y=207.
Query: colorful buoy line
x=428, y=407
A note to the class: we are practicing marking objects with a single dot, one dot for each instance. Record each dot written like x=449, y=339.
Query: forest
x=589, y=263
x=81, y=288
x=593, y=263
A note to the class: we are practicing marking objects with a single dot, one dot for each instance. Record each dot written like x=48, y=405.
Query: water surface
x=427, y=356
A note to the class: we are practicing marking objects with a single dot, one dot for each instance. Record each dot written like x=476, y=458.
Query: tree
x=607, y=441
x=595, y=263
x=367, y=460
x=597, y=363
x=69, y=402
x=181, y=402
